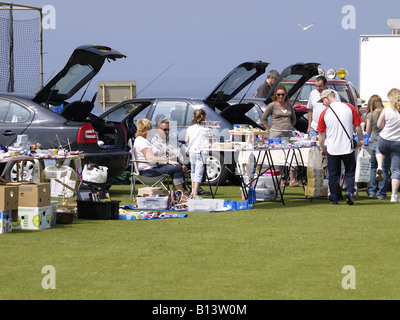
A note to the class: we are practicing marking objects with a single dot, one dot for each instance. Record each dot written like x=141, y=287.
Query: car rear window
x=343, y=92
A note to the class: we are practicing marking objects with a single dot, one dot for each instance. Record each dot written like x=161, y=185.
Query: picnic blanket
x=127, y=212
x=143, y=214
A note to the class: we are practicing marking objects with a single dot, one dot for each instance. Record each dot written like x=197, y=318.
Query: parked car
x=258, y=107
x=180, y=110
x=75, y=128
x=346, y=90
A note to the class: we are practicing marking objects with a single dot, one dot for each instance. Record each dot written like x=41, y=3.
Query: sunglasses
x=165, y=130
x=281, y=94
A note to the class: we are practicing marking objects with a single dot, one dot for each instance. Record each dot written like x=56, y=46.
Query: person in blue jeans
x=335, y=127
x=389, y=141
x=376, y=188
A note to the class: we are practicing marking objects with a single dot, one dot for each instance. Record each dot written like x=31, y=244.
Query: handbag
x=352, y=140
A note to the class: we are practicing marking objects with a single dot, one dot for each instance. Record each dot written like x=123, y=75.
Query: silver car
x=218, y=106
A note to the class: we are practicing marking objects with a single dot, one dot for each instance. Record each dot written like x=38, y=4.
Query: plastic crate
x=64, y=217
x=262, y=182
x=152, y=203
x=265, y=194
x=98, y=210
x=206, y=205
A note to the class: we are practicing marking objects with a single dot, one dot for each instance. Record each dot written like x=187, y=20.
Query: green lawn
x=273, y=251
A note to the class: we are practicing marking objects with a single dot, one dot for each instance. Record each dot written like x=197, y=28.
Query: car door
x=174, y=110
x=84, y=63
x=234, y=82
x=178, y=112
x=14, y=120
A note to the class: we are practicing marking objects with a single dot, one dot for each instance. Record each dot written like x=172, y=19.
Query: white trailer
x=379, y=69
x=379, y=62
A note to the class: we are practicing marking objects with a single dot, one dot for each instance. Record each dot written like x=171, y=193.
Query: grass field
x=273, y=251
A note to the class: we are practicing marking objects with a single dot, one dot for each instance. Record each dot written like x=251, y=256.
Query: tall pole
x=41, y=48
x=11, y=80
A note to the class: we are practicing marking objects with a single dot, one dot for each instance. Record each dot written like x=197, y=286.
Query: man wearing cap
x=172, y=148
x=335, y=144
x=315, y=107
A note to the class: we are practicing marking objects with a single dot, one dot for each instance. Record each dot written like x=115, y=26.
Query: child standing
x=194, y=139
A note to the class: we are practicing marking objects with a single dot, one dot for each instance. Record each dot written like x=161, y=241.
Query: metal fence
x=21, y=48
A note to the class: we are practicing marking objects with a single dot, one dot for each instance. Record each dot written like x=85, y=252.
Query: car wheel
x=214, y=164
x=13, y=171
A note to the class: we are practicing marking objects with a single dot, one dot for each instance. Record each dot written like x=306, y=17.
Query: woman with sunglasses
x=283, y=120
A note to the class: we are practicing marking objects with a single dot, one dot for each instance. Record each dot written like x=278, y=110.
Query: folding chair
x=146, y=181
x=187, y=184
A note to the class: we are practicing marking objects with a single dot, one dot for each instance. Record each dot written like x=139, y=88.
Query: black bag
x=354, y=143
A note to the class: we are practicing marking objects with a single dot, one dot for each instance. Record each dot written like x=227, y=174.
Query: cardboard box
x=150, y=191
x=54, y=206
x=15, y=219
x=34, y=218
x=315, y=173
x=5, y=221
x=313, y=192
x=315, y=182
x=8, y=197
x=34, y=195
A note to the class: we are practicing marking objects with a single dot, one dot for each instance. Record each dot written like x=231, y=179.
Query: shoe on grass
x=394, y=198
x=379, y=172
x=349, y=198
x=334, y=202
x=371, y=194
x=203, y=192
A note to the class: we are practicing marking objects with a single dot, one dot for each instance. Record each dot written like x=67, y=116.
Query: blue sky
x=204, y=40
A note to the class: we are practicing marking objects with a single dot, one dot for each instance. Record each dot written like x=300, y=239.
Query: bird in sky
x=305, y=28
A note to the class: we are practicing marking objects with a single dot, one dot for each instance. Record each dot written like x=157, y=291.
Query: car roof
x=312, y=80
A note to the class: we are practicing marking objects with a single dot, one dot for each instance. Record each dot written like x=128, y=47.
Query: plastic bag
x=94, y=173
x=315, y=174
x=363, y=166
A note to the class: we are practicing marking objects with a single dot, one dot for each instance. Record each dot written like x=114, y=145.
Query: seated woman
x=146, y=151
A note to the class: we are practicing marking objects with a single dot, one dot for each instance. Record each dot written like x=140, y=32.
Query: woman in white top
x=194, y=139
x=147, y=152
x=389, y=140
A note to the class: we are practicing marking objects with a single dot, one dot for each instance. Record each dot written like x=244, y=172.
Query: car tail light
x=125, y=134
x=86, y=134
